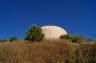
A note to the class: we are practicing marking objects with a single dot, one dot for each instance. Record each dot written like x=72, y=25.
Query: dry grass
x=86, y=53
x=52, y=51
x=47, y=51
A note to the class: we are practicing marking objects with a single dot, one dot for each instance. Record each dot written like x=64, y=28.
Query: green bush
x=90, y=40
x=13, y=39
x=73, y=38
x=3, y=40
x=67, y=37
x=34, y=33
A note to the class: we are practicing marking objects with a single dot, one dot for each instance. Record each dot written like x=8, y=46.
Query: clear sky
x=76, y=16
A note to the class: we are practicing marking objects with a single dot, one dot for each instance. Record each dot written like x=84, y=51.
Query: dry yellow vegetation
x=47, y=51
x=56, y=51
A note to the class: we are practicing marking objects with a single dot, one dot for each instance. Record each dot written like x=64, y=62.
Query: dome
x=53, y=32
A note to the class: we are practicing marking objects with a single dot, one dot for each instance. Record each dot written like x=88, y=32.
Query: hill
x=49, y=51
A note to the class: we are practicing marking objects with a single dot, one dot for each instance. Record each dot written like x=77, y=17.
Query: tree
x=13, y=39
x=34, y=33
x=73, y=38
x=3, y=40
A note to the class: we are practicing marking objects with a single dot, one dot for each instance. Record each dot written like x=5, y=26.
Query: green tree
x=73, y=38
x=34, y=33
x=3, y=40
x=13, y=39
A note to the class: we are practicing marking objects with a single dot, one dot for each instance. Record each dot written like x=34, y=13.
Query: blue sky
x=76, y=16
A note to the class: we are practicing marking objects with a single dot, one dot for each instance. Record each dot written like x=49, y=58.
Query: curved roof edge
x=54, y=26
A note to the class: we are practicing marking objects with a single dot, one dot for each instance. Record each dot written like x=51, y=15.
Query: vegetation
x=86, y=53
x=73, y=38
x=3, y=40
x=34, y=33
x=38, y=52
x=72, y=49
x=13, y=39
x=90, y=40
x=48, y=51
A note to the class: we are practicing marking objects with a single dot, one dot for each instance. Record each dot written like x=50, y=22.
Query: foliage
x=34, y=33
x=3, y=40
x=86, y=53
x=90, y=40
x=13, y=39
x=92, y=54
x=73, y=38
x=72, y=56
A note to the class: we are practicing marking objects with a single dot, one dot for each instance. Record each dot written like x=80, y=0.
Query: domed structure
x=53, y=32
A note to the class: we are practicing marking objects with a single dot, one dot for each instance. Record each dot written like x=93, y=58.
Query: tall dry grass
x=47, y=51
x=86, y=53
x=50, y=51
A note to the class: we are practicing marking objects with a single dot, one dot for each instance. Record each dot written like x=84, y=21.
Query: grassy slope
x=53, y=51
x=56, y=51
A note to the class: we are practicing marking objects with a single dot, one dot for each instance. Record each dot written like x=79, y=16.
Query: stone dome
x=53, y=32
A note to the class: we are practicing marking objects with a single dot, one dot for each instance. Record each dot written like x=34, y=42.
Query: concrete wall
x=53, y=32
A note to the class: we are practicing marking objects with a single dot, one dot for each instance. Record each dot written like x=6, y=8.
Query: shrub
x=86, y=53
x=67, y=37
x=72, y=56
x=90, y=40
x=73, y=38
x=3, y=40
x=92, y=54
x=13, y=39
x=34, y=33
x=78, y=39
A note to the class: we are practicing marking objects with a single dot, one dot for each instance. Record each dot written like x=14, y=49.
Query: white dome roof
x=53, y=32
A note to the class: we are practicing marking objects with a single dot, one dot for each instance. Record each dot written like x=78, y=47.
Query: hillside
x=53, y=51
